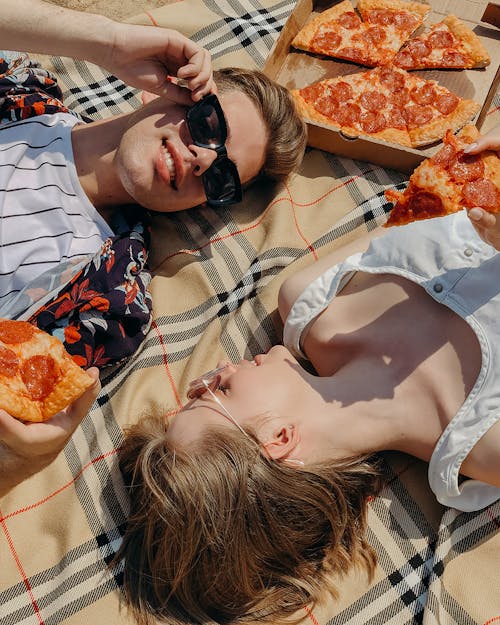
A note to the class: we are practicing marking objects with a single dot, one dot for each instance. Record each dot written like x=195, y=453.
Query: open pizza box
x=295, y=69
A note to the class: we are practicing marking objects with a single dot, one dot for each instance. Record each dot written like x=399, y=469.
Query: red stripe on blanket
x=310, y=615
x=165, y=362
x=193, y=251
x=60, y=489
x=23, y=574
x=309, y=245
x=153, y=21
x=333, y=189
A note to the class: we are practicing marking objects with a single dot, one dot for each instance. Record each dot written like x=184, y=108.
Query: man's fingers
x=80, y=407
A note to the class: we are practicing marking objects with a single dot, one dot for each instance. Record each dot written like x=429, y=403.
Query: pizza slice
x=38, y=378
x=385, y=103
x=339, y=32
x=448, y=44
x=449, y=181
x=432, y=110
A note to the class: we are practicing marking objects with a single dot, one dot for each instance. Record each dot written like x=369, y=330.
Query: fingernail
x=470, y=147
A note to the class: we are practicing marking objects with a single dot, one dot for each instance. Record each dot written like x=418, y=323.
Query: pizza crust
x=436, y=129
x=364, y=6
x=478, y=53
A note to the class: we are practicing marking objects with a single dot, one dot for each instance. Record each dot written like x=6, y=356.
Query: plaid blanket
x=216, y=277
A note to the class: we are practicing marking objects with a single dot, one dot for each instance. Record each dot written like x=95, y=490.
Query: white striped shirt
x=45, y=216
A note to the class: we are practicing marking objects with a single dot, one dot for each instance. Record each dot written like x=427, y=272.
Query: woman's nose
x=203, y=158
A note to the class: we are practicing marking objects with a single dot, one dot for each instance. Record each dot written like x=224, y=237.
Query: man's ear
x=282, y=442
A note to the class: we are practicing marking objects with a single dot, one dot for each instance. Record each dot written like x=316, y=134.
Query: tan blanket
x=216, y=277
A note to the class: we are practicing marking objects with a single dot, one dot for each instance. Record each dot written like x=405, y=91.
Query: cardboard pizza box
x=295, y=69
x=491, y=14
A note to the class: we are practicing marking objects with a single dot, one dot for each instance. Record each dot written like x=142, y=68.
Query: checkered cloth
x=216, y=278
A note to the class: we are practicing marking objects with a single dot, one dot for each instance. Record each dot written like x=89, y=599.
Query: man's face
x=159, y=166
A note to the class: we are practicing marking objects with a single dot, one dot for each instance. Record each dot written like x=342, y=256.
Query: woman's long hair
x=219, y=533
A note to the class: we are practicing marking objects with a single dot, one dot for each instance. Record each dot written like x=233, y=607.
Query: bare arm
x=26, y=448
x=141, y=56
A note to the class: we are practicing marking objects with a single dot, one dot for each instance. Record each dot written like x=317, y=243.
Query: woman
x=255, y=493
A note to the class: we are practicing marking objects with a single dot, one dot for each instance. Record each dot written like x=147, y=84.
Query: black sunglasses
x=208, y=129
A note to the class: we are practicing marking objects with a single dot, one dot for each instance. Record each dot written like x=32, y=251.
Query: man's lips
x=169, y=165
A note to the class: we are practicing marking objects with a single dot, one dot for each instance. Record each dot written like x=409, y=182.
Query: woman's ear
x=282, y=442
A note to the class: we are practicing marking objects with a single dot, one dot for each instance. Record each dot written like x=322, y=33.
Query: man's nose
x=203, y=158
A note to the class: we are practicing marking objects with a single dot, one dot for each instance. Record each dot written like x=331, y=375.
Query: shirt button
x=438, y=287
x=468, y=252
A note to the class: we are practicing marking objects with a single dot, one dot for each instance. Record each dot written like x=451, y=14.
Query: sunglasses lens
x=222, y=183
x=206, y=126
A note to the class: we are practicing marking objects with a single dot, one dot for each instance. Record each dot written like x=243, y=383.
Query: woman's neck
x=349, y=415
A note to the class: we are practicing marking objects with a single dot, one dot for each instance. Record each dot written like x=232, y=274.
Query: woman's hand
x=488, y=141
x=486, y=224
x=26, y=448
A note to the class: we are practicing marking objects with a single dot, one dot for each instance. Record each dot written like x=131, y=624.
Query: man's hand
x=26, y=448
x=146, y=57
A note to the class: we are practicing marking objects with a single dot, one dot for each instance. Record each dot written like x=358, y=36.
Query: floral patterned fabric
x=101, y=311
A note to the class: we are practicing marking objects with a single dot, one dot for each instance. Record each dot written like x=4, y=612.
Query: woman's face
x=251, y=391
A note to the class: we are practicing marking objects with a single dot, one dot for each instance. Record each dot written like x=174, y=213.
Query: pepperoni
x=401, y=97
x=343, y=92
x=467, y=168
x=15, y=331
x=374, y=35
x=454, y=59
x=312, y=93
x=352, y=54
x=372, y=100
x=446, y=103
x=425, y=94
x=406, y=21
x=349, y=20
x=425, y=204
x=327, y=40
x=404, y=59
x=384, y=17
x=391, y=79
x=396, y=119
x=418, y=49
x=349, y=114
x=326, y=106
x=440, y=39
x=40, y=374
x=481, y=193
x=417, y=115
x=445, y=156
x=371, y=121
x=9, y=362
